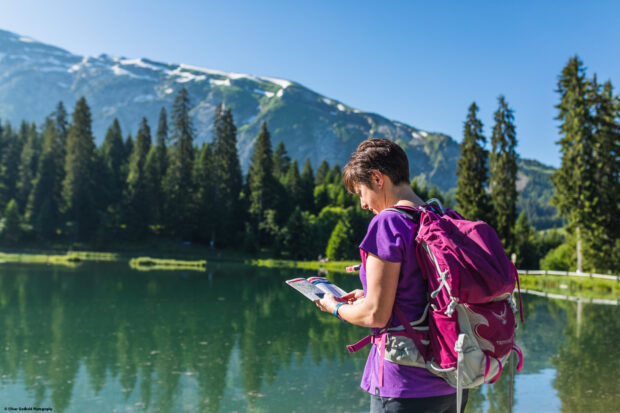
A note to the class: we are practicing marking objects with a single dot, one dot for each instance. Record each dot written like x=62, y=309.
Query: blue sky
x=417, y=62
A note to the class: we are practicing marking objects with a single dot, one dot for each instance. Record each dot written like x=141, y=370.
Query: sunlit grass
x=148, y=263
x=71, y=259
x=571, y=285
x=336, y=266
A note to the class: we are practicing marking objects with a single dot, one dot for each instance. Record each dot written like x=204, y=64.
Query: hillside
x=34, y=76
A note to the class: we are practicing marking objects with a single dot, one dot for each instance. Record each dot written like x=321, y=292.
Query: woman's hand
x=327, y=303
x=375, y=309
x=353, y=296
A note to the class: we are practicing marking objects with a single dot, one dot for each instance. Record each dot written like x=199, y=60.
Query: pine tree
x=574, y=183
x=336, y=176
x=281, y=161
x=137, y=201
x=9, y=166
x=321, y=173
x=12, y=230
x=472, y=170
x=321, y=198
x=292, y=183
x=228, y=179
x=78, y=185
x=44, y=203
x=178, y=182
x=29, y=161
x=62, y=129
x=261, y=182
x=603, y=233
x=523, y=246
x=113, y=157
x=306, y=183
x=204, y=195
x=281, y=164
x=162, y=127
x=503, y=168
x=128, y=150
x=156, y=166
x=60, y=120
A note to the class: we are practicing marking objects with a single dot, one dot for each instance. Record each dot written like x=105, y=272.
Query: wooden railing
x=571, y=297
x=569, y=273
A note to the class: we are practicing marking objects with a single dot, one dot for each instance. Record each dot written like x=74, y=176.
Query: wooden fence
x=571, y=274
x=571, y=298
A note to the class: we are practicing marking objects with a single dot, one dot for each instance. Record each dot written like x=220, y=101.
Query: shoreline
x=192, y=259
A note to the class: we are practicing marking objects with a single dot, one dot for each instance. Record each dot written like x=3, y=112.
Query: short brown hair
x=382, y=155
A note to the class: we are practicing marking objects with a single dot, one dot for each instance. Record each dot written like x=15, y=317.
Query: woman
x=378, y=172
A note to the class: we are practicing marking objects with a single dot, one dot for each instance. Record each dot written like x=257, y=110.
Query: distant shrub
x=561, y=258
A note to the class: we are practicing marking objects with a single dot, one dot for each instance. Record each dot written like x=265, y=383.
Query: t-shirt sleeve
x=385, y=237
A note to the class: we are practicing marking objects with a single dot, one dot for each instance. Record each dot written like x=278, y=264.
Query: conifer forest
x=58, y=188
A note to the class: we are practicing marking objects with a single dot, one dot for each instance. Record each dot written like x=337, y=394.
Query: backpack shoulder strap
x=411, y=213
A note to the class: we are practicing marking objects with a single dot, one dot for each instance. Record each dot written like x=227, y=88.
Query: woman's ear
x=377, y=178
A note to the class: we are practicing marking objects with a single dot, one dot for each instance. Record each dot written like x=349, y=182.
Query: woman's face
x=370, y=198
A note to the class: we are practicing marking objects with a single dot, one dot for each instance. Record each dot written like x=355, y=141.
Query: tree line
x=586, y=185
x=487, y=186
x=58, y=187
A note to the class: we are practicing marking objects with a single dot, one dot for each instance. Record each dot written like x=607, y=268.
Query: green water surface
x=105, y=338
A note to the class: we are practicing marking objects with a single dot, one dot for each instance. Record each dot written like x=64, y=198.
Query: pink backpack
x=467, y=332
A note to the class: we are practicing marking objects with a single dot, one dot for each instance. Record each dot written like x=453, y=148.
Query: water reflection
x=147, y=332
x=104, y=337
x=570, y=356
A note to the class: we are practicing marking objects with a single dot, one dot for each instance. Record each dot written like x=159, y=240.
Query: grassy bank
x=574, y=286
x=147, y=263
x=336, y=266
x=196, y=258
x=69, y=259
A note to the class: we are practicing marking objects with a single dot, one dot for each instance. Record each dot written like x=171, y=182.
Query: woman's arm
x=375, y=310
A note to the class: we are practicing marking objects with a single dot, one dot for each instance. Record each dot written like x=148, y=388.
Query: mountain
x=35, y=76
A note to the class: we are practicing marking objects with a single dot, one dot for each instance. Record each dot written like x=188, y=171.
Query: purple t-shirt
x=391, y=236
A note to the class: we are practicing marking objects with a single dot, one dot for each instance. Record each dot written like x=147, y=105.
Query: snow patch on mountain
x=264, y=93
x=220, y=82
x=185, y=76
x=119, y=71
x=140, y=63
x=280, y=82
x=231, y=75
x=419, y=134
x=76, y=67
x=339, y=106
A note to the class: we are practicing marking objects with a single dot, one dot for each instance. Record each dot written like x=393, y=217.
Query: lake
x=105, y=338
